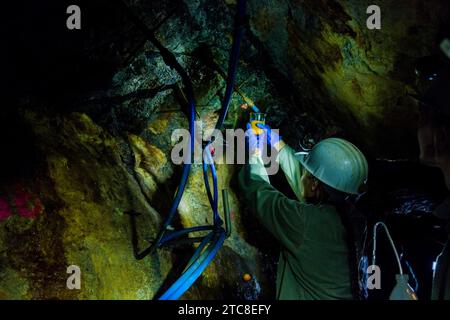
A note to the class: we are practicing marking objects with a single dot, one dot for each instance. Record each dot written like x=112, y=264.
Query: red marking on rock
x=27, y=205
x=5, y=209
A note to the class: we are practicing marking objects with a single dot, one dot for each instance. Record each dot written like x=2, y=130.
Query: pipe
x=200, y=265
x=215, y=239
x=167, y=295
x=234, y=59
x=226, y=209
x=206, y=180
x=390, y=240
x=170, y=60
x=195, y=269
x=177, y=234
x=198, y=251
x=200, y=260
x=215, y=197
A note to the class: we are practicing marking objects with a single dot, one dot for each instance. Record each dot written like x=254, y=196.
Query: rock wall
x=358, y=77
x=101, y=106
x=85, y=187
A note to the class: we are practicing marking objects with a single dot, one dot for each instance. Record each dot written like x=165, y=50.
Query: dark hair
x=353, y=223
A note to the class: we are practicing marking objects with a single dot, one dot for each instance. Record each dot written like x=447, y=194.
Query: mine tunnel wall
x=88, y=129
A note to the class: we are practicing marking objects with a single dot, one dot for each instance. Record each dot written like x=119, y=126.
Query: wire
x=196, y=267
x=170, y=60
x=239, y=28
x=413, y=275
x=390, y=240
x=214, y=240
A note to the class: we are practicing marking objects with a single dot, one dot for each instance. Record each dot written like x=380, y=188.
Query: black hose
x=171, y=61
x=218, y=234
x=240, y=24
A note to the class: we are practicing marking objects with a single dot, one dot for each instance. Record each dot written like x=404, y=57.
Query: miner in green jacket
x=315, y=260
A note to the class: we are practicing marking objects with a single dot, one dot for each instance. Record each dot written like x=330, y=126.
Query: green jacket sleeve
x=283, y=217
x=292, y=169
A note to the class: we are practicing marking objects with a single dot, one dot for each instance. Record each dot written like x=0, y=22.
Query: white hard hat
x=337, y=163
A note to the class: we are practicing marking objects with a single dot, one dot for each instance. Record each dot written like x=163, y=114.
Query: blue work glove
x=254, y=141
x=273, y=139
